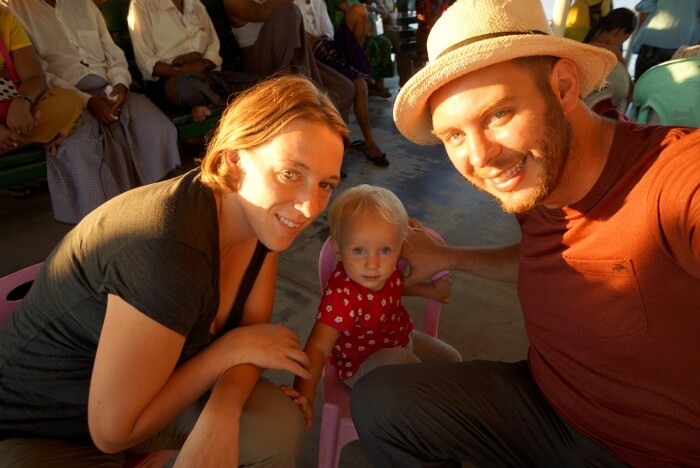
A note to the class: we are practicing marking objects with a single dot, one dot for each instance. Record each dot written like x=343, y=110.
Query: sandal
x=20, y=192
x=381, y=161
x=359, y=145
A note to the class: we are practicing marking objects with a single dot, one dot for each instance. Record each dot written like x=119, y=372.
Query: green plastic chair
x=671, y=90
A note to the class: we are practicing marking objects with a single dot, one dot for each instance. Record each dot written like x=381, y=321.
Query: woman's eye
x=327, y=186
x=455, y=138
x=290, y=175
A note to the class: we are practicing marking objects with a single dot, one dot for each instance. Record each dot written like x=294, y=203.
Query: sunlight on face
x=503, y=134
x=369, y=248
x=286, y=183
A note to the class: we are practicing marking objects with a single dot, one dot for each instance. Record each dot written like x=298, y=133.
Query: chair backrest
x=14, y=287
x=671, y=90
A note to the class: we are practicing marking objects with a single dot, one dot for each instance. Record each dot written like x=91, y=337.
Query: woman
x=610, y=32
x=148, y=325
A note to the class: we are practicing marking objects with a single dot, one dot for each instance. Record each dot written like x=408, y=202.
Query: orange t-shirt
x=610, y=293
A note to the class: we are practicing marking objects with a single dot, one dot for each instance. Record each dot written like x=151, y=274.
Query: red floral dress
x=367, y=320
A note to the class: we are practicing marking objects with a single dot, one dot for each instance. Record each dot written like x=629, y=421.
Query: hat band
x=483, y=37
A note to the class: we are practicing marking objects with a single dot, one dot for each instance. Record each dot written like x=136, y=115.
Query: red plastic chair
x=337, y=428
x=13, y=288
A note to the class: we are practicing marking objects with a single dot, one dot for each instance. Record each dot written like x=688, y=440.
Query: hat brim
x=411, y=112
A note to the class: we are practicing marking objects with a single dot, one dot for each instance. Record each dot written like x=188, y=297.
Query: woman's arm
x=19, y=115
x=136, y=389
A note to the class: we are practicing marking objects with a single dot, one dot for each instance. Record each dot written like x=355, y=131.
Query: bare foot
x=200, y=113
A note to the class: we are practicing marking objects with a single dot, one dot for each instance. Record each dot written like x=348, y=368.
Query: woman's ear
x=565, y=83
x=230, y=165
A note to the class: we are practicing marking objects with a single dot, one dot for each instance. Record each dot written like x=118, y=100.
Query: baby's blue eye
x=385, y=250
x=358, y=250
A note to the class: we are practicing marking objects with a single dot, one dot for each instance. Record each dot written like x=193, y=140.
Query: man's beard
x=555, y=144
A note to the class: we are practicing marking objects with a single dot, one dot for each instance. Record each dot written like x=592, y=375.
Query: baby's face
x=369, y=248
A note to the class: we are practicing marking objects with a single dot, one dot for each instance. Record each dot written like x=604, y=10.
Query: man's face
x=504, y=134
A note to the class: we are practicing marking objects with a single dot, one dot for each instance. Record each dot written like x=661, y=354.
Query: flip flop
x=20, y=192
x=382, y=93
x=381, y=161
x=359, y=145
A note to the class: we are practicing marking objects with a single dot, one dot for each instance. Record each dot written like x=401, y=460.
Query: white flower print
x=329, y=308
x=346, y=302
x=371, y=342
x=338, y=320
x=370, y=297
x=348, y=345
x=348, y=364
x=382, y=318
x=383, y=302
x=360, y=348
x=346, y=291
x=367, y=316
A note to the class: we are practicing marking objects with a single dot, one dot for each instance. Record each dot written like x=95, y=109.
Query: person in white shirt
x=123, y=140
x=177, y=48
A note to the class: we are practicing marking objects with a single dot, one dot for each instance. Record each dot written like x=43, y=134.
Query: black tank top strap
x=251, y=274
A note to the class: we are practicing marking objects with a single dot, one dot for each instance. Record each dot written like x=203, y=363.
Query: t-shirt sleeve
x=675, y=203
x=169, y=282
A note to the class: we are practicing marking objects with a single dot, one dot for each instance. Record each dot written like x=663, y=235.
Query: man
x=608, y=267
x=272, y=39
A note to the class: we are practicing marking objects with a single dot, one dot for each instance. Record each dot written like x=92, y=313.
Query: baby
x=361, y=322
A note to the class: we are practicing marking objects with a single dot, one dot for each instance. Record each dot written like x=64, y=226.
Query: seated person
x=610, y=32
x=177, y=48
x=29, y=111
x=123, y=140
x=582, y=15
x=319, y=29
x=272, y=40
x=368, y=226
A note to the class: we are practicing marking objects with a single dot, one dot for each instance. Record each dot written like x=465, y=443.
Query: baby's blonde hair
x=258, y=115
x=359, y=200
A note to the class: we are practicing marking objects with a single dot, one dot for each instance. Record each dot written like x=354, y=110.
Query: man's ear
x=565, y=83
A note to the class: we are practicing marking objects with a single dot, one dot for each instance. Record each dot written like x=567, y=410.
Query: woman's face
x=286, y=183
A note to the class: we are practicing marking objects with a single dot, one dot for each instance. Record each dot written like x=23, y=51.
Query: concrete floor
x=483, y=318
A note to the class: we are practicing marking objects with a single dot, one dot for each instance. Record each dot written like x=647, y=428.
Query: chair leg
x=328, y=453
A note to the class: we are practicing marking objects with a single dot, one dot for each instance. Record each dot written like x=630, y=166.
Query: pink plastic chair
x=337, y=428
x=13, y=288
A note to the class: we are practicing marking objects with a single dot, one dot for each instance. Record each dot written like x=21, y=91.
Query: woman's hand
x=268, y=346
x=19, y=117
x=9, y=140
x=302, y=402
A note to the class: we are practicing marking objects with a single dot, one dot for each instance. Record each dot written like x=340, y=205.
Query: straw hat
x=473, y=34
